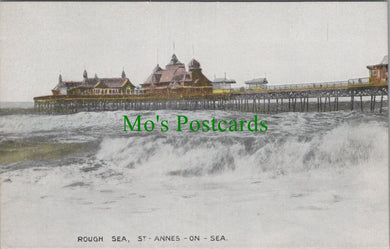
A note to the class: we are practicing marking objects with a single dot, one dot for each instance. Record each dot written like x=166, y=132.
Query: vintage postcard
x=194, y=125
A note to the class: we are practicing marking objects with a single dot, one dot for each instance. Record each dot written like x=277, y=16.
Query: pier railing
x=307, y=86
x=332, y=96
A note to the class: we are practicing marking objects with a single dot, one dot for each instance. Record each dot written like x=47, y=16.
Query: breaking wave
x=346, y=145
x=295, y=142
x=307, y=168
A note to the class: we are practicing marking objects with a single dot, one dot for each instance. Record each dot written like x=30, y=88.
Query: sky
x=301, y=42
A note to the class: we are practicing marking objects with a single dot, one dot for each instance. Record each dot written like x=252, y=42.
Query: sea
x=312, y=180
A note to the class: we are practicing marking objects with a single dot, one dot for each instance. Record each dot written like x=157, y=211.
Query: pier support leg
x=318, y=104
x=269, y=103
x=301, y=104
x=289, y=104
x=371, y=103
x=324, y=105
x=295, y=104
x=380, y=109
x=307, y=104
x=321, y=104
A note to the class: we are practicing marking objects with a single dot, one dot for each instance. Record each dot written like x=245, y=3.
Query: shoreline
x=13, y=151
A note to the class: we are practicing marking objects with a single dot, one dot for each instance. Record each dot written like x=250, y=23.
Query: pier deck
x=356, y=97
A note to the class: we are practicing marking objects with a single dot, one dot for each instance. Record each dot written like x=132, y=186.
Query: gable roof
x=174, y=74
x=67, y=84
x=152, y=77
x=175, y=71
x=90, y=82
x=95, y=82
x=100, y=85
x=113, y=82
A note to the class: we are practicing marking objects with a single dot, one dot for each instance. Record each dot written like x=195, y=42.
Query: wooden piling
x=352, y=100
x=380, y=109
x=269, y=103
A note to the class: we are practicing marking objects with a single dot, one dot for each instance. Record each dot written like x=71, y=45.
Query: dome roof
x=85, y=74
x=194, y=64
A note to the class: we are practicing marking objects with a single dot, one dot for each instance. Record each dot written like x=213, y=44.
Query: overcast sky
x=287, y=42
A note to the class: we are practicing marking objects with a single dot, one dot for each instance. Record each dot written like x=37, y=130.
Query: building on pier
x=175, y=79
x=222, y=85
x=256, y=83
x=95, y=86
x=379, y=73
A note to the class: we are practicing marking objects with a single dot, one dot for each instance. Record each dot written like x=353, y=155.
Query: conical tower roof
x=194, y=64
x=174, y=60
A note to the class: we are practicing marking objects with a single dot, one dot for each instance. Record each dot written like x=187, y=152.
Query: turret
x=174, y=63
x=174, y=59
x=85, y=74
x=194, y=65
x=123, y=73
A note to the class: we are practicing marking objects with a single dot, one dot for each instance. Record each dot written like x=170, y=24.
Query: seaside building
x=175, y=79
x=222, y=85
x=379, y=73
x=256, y=83
x=95, y=86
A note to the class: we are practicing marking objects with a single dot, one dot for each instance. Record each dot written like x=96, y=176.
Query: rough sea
x=316, y=180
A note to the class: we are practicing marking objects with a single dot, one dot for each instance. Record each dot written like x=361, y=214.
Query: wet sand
x=20, y=150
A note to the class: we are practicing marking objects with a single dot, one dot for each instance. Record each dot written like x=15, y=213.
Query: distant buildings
x=379, y=73
x=94, y=86
x=175, y=79
x=256, y=83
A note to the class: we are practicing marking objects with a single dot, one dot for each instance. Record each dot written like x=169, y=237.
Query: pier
x=364, y=98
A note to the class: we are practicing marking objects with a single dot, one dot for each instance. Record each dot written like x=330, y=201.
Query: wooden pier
x=364, y=98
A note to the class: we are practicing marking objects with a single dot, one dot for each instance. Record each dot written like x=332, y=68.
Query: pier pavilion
x=175, y=79
x=379, y=73
x=222, y=85
x=95, y=86
x=176, y=88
